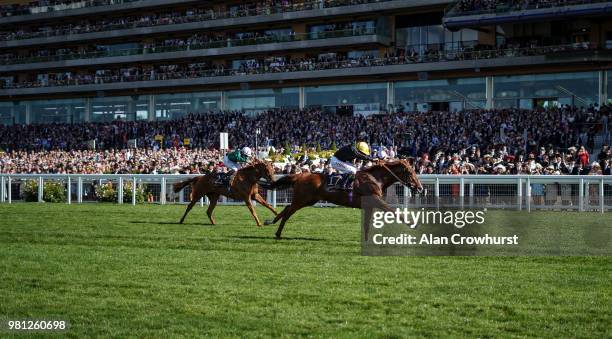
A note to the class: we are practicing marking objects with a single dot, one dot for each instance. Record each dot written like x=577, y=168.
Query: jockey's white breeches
x=230, y=164
x=343, y=166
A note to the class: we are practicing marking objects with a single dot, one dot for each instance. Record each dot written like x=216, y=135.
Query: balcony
x=303, y=11
x=462, y=15
x=207, y=49
x=78, y=8
x=440, y=61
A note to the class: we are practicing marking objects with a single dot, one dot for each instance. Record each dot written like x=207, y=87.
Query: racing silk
x=237, y=157
x=349, y=153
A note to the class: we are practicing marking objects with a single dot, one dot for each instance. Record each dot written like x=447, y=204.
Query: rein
x=395, y=176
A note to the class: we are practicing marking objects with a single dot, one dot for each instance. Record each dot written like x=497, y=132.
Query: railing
x=504, y=6
x=201, y=17
x=520, y=192
x=62, y=6
x=437, y=56
x=221, y=43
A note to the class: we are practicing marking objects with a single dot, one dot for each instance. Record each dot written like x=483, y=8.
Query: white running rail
x=521, y=192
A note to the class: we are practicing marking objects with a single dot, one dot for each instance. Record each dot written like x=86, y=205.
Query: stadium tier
x=97, y=61
x=475, y=86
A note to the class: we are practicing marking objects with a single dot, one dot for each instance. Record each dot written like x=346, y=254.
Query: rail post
x=41, y=190
x=601, y=195
x=10, y=190
x=581, y=195
x=69, y=191
x=274, y=198
x=2, y=189
x=528, y=188
x=519, y=193
x=471, y=195
x=437, y=192
x=406, y=197
x=120, y=191
x=134, y=183
x=181, y=195
x=162, y=195
x=79, y=190
x=461, y=192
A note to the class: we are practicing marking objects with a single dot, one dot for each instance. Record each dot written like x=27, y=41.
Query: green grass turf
x=130, y=271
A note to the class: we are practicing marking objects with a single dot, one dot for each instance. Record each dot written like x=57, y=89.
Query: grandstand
x=95, y=61
x=524, y=75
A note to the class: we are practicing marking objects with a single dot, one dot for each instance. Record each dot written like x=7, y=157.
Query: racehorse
x=242, y=187
x=309, y=188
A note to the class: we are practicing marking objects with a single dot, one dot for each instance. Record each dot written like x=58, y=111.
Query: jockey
x=343, y=162
x=234, y=160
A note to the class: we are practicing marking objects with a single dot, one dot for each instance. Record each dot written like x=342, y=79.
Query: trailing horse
x=309, y=188
x=243, y=187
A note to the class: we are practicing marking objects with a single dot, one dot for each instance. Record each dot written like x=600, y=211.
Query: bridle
x=395, y=176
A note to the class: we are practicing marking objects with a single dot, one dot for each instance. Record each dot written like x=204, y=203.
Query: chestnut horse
x=309, y=188
x=243, y=187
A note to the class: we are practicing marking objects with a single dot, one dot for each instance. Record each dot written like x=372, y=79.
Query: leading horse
x=242, y=187
x=371, y=183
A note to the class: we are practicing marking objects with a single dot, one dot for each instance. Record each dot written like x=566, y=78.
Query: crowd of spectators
x=42, y=6
x=272, y=65
x=193, y=42
x=508, y=141
x=191, y=14
x=507, y=5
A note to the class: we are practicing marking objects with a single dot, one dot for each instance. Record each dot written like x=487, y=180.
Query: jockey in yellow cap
x=343, y=160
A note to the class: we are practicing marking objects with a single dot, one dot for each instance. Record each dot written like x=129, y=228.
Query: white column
x=224, y=100
x=87, y=116
x=603, y=87
x=151, y=108
x=302, y=97
x=489, y=92
x=28, y=112
x=390, y=95
x=131, y=109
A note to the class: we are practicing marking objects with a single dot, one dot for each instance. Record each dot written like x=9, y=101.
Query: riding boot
x=347, y=183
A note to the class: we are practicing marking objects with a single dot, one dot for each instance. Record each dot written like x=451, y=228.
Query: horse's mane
x=253, y=164
x=387, y=163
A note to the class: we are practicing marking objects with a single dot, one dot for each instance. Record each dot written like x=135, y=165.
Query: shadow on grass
x=170, y=223
x=267, y=237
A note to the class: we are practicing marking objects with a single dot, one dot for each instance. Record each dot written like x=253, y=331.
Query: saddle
x=225, y=179
x=340, y=181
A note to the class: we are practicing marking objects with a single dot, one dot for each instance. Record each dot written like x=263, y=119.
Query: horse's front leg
x=249, y=204
x=263, y=201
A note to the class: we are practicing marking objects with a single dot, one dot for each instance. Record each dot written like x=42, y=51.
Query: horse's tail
x=284, y=182
x=180, y=185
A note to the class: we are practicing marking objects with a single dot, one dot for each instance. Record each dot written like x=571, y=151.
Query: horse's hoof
x=278, y=237
x=268, y=222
